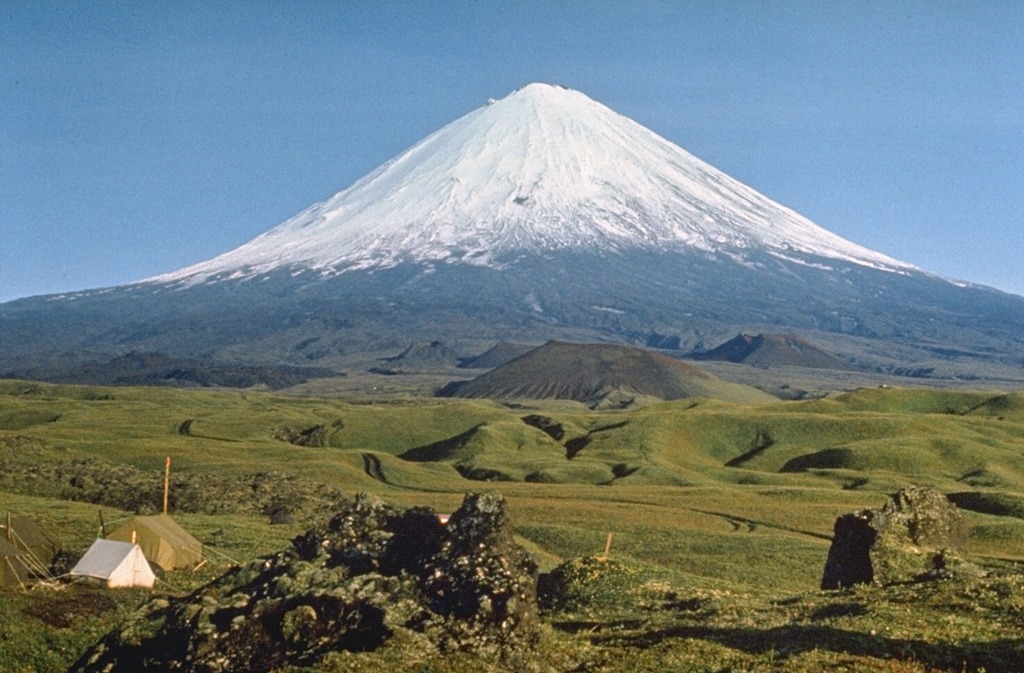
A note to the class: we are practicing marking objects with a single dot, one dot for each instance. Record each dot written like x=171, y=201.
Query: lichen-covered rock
x=483, y=581
x=588, y=584
x=372, y=572
x=902, y=539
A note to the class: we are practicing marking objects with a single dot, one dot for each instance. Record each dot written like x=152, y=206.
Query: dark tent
x=27, y=535
x=14, y=564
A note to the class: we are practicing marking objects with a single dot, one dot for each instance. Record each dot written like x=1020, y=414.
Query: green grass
x=721, y=513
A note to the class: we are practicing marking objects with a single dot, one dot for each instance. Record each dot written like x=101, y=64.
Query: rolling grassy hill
x=850, y=447
x=727, y=505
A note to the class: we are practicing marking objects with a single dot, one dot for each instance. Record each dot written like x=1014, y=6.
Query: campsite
x=689, y=532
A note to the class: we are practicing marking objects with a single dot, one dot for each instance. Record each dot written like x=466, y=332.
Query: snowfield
x=545, y=168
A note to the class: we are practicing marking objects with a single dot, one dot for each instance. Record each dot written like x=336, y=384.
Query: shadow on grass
x=786, y=641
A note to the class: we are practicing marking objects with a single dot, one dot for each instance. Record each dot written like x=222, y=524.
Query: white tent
x=119, y=564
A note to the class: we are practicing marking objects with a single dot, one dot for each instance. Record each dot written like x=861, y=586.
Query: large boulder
x=914, y=532
x=371, y=573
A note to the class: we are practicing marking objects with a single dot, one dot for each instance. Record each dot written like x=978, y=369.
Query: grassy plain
x=720, y=515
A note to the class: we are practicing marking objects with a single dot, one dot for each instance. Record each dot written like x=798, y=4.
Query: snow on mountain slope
x=542, y=169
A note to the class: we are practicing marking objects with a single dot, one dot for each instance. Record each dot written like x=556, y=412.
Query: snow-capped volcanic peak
x=544, y=168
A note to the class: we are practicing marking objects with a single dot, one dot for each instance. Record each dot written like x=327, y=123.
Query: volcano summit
x=544, y=169
x=543, y=215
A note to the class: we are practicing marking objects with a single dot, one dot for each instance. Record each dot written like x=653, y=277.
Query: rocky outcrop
x=914, y=532
x=371, y=573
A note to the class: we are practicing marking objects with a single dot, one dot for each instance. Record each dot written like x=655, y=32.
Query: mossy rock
x=349, y=585
x=895, y=542
x=592, y=585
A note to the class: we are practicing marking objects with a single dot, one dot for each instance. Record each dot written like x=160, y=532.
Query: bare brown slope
x=775, y=350
x=585, y=372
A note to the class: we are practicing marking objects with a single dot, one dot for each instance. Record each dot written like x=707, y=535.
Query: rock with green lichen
x=372, y=572
x=914, y=533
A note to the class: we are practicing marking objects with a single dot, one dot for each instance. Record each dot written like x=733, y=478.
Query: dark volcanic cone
x=774, y=350
x=585, y=372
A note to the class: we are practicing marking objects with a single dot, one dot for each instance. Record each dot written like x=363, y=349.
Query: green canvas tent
x=163, y=541
x=14, y=565
x=26, y=534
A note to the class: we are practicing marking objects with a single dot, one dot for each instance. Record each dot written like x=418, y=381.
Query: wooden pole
x=167, y=481
x=10, y=534
x=103, y=525
x=607, y=546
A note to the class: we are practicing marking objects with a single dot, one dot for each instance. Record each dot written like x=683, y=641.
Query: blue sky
x=139, y=137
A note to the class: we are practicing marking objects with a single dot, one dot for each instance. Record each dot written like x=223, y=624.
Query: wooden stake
x=10, y=534
x=607, y=547
x=103, y=525
x=167, y=481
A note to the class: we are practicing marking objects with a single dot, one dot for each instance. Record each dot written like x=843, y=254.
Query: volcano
x=543, y=170
x=542, y=215
x=597, y=372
